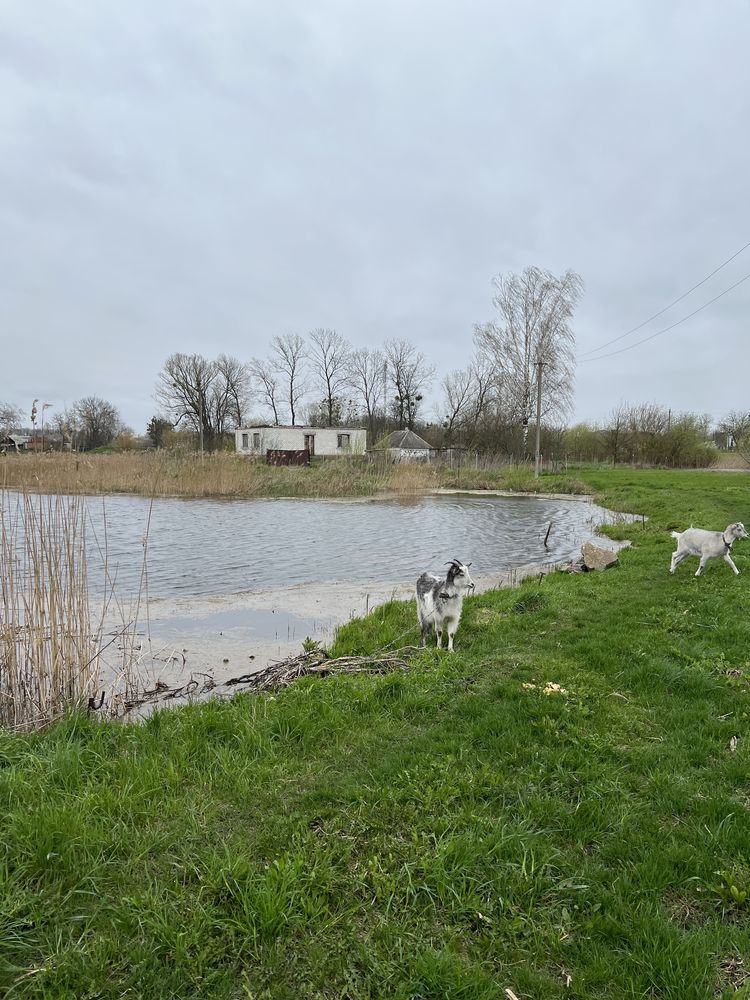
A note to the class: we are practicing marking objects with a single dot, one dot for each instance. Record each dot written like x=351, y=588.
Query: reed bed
x=48, y=645
x=64, y=644
x=167, y=473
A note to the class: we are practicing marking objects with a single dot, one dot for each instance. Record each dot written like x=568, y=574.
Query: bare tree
x=410, y=375
x=615, y=431
x=67, y=424
x=329, y=360
x=457, y=389
x=366, y=370
x=736, y=427
x=184, y=389
x=472, y=399
x=209, y=397
x=265, y=380
x=10, y=418
x=535, y=308
x=288, y=358
x=647, y=422
x=98, y=421
x=233, y=388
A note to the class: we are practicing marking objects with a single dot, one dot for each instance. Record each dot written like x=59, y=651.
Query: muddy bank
x=193, y=648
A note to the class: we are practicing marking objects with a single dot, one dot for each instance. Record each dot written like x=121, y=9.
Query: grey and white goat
x=707, y=545
x=439, y=602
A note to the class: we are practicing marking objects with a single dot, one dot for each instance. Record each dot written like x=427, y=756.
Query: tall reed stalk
x=49, y=649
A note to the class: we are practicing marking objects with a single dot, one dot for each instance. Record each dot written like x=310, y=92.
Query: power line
x=684, y=295
x=666, y=329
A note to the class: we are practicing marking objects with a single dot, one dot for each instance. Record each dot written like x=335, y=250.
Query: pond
x=220, y=547
x=228, y=585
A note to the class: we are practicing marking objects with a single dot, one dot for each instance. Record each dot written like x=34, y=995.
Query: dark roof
x=408, y=440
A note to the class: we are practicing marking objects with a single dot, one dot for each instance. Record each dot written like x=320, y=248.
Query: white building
x=406, y=446
x=323, y=441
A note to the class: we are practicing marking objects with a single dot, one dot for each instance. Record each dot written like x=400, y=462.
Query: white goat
x=707, y=545
x=439, y=602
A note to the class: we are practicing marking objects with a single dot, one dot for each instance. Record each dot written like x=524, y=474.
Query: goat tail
x=675, y=534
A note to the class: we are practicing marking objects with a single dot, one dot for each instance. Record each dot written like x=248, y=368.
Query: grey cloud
x=202, y=177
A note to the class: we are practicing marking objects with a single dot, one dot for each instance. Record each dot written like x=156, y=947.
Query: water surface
x=201, y=547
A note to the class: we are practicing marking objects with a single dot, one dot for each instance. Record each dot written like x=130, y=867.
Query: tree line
x=652, y=434
x=90, y=422
x=322, y=380
x=486, y=406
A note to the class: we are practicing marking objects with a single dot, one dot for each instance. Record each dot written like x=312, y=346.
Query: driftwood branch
x=317, y=663
x=314, y=663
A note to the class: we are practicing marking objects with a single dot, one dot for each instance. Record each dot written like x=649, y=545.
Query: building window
x=244, y=442
x=256, y=440
x=344, y=440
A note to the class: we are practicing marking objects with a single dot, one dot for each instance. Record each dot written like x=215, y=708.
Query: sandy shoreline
x=210, y=639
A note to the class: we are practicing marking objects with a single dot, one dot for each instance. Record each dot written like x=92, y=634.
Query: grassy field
x=165, y=473
x=443, y=834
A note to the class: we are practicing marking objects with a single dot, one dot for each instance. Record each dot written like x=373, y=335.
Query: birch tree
x=366, y=375
x=329, y=360
x=266, y=383
x=233, y=389
x=288, y=358
x=536, y=308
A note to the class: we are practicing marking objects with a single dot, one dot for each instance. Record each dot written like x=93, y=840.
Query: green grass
x=440, y=834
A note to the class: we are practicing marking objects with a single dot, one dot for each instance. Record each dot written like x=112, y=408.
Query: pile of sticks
x=316, y=662
x=313, y=663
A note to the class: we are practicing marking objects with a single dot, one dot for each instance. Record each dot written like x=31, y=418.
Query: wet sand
x=217, y=639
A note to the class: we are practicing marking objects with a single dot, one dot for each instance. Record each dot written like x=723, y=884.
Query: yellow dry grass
x=48, y=647
x=164, y=473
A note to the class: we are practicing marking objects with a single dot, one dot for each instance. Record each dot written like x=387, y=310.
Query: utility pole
x=200, y=419
x=539, y=365
x=45, y=406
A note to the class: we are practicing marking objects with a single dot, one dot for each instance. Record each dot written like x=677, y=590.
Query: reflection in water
x=200, y=547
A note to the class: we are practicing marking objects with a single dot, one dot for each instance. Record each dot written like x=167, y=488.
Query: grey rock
x=597, y=558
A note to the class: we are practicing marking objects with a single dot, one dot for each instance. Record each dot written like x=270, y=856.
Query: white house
x=324, y=441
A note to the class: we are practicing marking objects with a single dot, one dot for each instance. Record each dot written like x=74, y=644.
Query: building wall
x=257, y=440
x=411, y=454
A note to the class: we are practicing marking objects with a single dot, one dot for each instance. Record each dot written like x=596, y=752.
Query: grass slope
x=441, y=834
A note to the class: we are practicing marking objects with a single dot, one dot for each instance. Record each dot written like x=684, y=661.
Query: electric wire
x=666, y=329
x=635, y=329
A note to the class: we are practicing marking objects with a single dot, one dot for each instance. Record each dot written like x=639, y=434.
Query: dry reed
x=48, y=647
x=54, y=655
x=174, y=473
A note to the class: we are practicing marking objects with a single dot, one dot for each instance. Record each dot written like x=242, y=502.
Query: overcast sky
x=200, y=176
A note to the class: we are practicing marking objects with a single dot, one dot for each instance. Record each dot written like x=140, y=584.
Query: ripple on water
x=200, y=547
